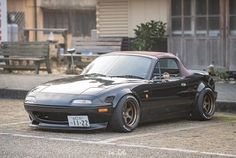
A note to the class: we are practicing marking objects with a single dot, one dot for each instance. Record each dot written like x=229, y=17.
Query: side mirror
x=156, y=79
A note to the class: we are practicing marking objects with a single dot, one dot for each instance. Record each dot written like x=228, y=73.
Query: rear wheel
x=205, y=105
x=126, y=115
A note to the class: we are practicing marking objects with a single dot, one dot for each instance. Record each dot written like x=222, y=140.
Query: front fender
x=119, y=95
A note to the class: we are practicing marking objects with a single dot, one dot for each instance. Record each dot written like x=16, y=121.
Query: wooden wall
x=118, y=18
x=112, y=18
x=200, y=52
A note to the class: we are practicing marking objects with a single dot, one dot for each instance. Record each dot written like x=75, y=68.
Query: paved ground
x=226, y=91
x=175, y=138
x=25, y=82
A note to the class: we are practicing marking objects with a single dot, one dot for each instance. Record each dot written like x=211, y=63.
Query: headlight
x=109, y=99
x=81, y=101
x=30, y=99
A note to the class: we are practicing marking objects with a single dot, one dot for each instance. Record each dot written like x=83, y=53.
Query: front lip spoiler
x=64, y=127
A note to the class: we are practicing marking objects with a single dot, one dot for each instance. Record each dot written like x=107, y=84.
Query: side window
x=156, y=72
x=169, y=66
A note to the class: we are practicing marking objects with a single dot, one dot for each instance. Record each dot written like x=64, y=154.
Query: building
x=200, y=32
x=79, y=17
x=3, y=21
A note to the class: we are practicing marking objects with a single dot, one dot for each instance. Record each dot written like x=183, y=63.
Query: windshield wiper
x=95, y=74
x=128, y=76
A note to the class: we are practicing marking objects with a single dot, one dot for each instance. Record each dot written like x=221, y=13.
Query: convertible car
x=120, y=90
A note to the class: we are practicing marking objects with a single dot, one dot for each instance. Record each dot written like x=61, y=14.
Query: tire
x=204, y=108
x=126, y=116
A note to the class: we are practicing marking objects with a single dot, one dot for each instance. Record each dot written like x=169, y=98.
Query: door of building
x=230, y=33
x=203, y=32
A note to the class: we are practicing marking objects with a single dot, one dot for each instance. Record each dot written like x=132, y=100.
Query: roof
x=147, y=53
x=159, y=55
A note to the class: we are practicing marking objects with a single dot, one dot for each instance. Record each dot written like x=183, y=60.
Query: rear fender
x=202, y=86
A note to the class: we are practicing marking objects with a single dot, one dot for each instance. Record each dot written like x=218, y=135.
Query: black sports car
x=120, y=90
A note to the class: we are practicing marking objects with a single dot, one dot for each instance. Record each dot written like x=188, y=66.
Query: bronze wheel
x=208, y=104
x=130, y=112
x=205, y=105
x=126, y=115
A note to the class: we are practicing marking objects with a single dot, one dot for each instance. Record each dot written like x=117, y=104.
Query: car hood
x=84, y=85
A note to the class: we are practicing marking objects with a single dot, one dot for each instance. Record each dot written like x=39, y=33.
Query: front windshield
x=120, y=66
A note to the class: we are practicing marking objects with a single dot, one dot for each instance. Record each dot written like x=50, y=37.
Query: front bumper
x=55, y=117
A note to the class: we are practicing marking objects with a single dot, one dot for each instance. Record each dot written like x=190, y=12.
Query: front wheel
x=205, y=105
x=126, y=115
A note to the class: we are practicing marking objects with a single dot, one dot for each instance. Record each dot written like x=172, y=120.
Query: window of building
x=79, y=23
x=18, y=18
x=195, y=17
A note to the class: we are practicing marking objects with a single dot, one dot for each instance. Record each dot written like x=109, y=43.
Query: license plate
x=78, y=121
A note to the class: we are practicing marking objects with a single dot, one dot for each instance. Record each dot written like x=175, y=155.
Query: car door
x=169, y=96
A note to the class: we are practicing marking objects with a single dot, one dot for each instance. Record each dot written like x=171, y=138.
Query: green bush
x=222, y=74
x=147, y=34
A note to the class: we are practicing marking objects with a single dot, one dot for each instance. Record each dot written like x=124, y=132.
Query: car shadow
x=147, y=125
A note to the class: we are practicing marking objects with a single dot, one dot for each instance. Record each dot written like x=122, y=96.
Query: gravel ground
x=174, y=138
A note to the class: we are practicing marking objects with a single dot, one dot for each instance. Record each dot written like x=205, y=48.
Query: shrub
x=222, y=74
x=147, y=34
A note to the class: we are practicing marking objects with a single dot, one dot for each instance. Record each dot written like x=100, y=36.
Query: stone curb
x=13, y=94
x=221, y=106
x=226, y=106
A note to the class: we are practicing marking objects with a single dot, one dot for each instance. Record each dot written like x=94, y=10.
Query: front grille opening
x=61, y=118
x=51, y=116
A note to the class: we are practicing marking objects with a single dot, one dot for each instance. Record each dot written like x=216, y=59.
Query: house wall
x=112, y=18
x=3, y=20
x=67, y=4
x=27, y=6
x=118, y=18
x=141, y=11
